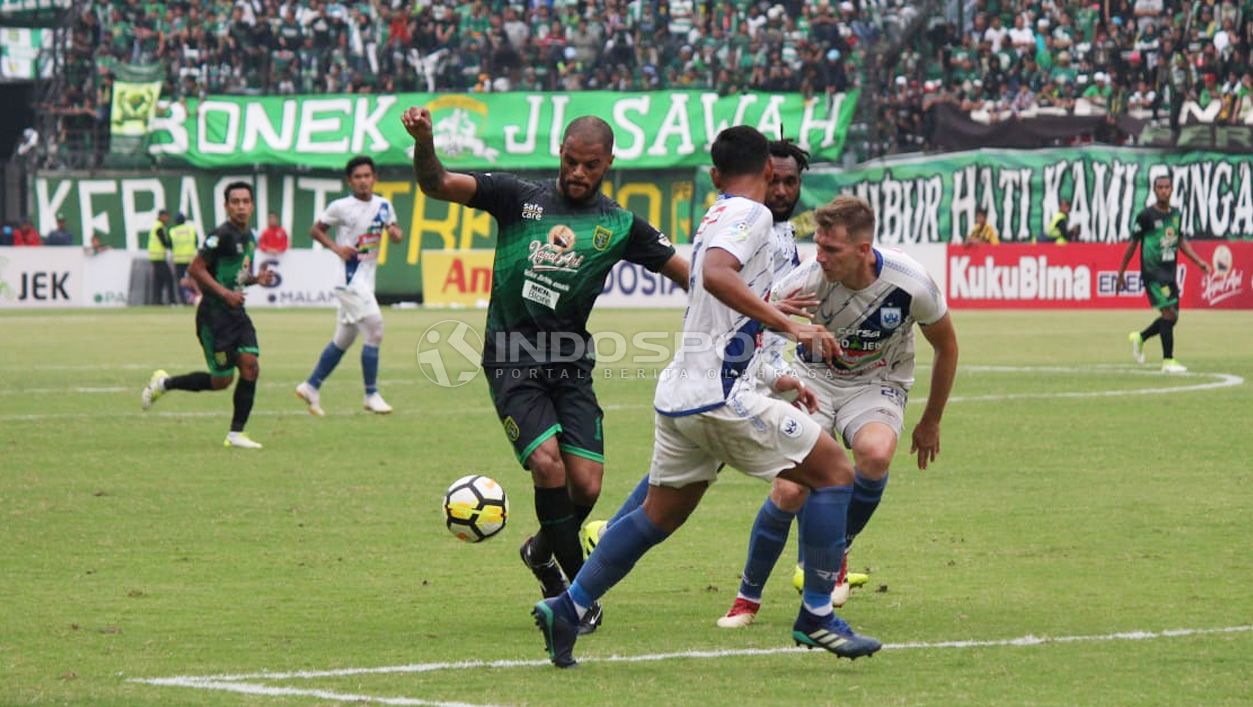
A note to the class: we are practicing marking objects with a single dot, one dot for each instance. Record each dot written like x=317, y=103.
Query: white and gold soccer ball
x=475, y=508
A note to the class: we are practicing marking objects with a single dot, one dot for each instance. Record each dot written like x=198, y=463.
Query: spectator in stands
x=982, y=233
x=59, y=235
x=1059, y=229
x=97, y=246
x=274, y=239
x=6, y=235
x=26, y=235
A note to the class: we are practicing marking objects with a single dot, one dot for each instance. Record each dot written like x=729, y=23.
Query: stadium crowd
x=1119, y=55
x=999, y=56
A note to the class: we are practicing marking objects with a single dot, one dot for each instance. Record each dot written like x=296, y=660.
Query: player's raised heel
x=154, y=390
x=559, y=633
x=551, y=581
x=310, y=395
x=832, y=634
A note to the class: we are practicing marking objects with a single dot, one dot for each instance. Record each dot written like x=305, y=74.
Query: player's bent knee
x=546, y=467
x=787, y=495
x=221, y=382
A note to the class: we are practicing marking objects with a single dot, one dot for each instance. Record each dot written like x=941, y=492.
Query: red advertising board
x=1083, y=276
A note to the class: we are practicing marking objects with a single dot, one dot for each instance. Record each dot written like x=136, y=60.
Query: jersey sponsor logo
x=890, y=317
x=211, y=242
x=538, y=293
x=664, y=241
x=532, y=212
x=790, y=428
x=601, y=238
x=553, y=257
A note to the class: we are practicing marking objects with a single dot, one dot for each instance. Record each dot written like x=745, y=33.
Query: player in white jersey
x=360, y=221
x=708, y=413
x=787, y=161
x=869, y=299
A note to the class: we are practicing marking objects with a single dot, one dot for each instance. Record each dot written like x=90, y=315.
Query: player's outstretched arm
x=678, y=270
x=433, y=179
x=721, y=278
x=926, y=438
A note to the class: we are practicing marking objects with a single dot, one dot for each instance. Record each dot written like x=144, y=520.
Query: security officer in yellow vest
x=1059, y=230
x=159, y=246
x=185, y=244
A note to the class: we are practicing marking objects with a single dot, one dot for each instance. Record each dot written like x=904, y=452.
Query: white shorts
x=844, y=410
x=758, y=435
x=355, y=305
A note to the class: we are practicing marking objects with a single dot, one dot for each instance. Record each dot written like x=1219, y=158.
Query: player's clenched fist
x=417, y=122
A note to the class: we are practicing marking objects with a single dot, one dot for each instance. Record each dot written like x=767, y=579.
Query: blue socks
x=326, y=363
x=370, y=368
x=620, y=547
x=765, y=544
x=635, y=500
x=823, y=528
x=866, y=496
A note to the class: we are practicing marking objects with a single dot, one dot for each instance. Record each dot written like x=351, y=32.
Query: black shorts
x=1162, y=293
x=224, y=334
x=538, y=402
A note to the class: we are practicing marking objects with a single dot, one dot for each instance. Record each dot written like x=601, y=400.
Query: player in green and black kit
x=223, y=268
x=557, y=241
x=1159, y=234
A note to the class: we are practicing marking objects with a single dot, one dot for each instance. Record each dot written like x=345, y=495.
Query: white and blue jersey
x=361, y=225
x=874, y=325
x=718, y=342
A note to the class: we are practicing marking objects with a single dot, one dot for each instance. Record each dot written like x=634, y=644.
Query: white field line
x=1216, y=381
x=1023, y=641
x=270, y=691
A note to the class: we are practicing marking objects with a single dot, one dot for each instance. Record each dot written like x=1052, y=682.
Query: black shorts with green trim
x=538, y=402
x=224, y=334
x=1162, y=293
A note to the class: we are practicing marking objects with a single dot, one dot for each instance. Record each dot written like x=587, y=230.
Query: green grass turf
x=135, y=546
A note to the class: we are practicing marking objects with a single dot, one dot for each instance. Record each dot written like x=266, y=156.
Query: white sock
x=161, y=384
x=233, y=434
x=825, y=610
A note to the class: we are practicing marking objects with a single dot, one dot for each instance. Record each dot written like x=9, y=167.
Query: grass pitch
x=1068, y=500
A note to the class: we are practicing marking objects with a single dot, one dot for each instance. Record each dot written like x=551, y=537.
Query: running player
x=708, y=413
x=870, y=300
x=557, y=241
x=359, y=221
x=223, y=268
x=1158, y=235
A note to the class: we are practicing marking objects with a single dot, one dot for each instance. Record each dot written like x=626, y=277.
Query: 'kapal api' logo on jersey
x=455, y=126
x=556, y=254
x=890, y=317
x=601, y=237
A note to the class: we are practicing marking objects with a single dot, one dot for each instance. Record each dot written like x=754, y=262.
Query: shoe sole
x=803, y=639
x=544, y=621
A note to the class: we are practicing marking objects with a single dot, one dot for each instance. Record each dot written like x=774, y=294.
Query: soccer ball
x=475, y=508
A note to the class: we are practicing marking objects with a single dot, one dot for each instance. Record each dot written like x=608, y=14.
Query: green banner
x=661, y=129
x=933, y=198
x=121, y=208
x=135, y=95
